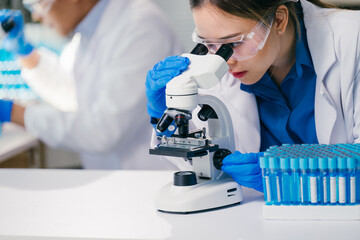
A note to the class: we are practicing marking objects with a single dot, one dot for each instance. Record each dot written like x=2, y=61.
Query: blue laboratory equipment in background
x=310, y=174
x=12, y=86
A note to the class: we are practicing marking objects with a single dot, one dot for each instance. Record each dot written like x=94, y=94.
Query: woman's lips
x=239, y=74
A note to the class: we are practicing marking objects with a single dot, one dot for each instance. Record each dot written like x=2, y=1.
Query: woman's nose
x=231, y=61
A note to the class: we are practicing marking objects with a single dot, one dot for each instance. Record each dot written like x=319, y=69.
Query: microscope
x=206, y=187
x=6, y=27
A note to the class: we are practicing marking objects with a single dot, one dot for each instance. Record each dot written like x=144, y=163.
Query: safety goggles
x=245, y=46
x=38, y=7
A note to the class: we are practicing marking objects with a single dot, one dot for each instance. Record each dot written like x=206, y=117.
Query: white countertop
x=14, y=140
x=64, y=204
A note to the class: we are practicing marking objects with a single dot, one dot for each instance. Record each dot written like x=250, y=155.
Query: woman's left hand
x=244, y=169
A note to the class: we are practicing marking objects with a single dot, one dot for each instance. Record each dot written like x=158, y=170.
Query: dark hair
x=255, y=9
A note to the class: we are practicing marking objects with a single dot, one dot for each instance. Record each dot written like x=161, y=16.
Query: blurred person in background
x=93, y=94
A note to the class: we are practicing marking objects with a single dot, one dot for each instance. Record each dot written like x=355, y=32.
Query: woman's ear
x=281, y=19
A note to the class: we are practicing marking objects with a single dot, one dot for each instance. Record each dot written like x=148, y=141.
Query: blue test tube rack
x=12, y=86
x=312, y=181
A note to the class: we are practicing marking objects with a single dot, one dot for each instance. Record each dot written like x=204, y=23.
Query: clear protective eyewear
x=39, y=7
x=245, y=46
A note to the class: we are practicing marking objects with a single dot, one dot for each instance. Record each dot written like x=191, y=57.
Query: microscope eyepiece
x=225, y=51
x=200, y=49
x=8, y=25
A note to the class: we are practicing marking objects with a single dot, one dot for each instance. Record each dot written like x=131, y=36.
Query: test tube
x=324, y=180
x=275, y=186
x=304, y=181
x=351, y=165
x=264, y=165
x=295, y=181
x=285, y=181
x=314, y=185
x=333, y=172
x=342, y=180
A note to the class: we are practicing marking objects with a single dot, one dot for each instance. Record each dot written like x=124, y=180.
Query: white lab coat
x=102, y=109
x=334, y=42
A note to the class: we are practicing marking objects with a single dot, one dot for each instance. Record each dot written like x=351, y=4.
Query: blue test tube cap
x=294, y=163
x=342, y=162
x=285, y=163
x=304, y=163
x=351, y=163
x=273, y=162
x=323, y=163
x=332, y=162
x=313, y=163
x=264, y=162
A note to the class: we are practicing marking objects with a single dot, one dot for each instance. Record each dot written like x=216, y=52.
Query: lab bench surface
x=87, y=204
x=15, y=144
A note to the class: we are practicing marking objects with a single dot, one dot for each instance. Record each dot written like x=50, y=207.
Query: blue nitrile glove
x=244, y=169
x=5, y=110
x=15, y=41
x=156, y=81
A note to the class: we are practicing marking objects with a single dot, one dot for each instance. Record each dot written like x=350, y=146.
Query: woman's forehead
x=211, y=22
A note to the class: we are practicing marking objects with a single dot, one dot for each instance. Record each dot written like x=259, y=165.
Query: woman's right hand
x=156, y=81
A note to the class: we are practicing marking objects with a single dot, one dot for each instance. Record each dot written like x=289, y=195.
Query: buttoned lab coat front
x=99, y=108
x=334, y=42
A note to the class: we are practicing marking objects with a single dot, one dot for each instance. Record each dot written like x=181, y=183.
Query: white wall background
x=180, y=18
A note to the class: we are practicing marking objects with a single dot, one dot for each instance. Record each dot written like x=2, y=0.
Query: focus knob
x=219, y=155
x=184, y=178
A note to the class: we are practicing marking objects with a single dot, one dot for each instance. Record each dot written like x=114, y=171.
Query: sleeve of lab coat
x=120, y=104
x=52, y=82
x=356, y=92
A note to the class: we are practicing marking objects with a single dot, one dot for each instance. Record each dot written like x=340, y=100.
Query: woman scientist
x=95, y=89
x=298, y=64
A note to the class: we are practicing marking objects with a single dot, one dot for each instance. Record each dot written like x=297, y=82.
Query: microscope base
x=206, y=195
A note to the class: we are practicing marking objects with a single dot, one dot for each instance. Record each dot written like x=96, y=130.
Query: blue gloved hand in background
x=244, y=169
x=156, y=81
x=5, y=110
x=15, y=41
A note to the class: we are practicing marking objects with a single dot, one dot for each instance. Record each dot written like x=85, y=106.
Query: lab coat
x=334, y=43
x=99, y=108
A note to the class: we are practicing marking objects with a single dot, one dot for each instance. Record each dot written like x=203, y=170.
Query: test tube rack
x=311, y=182
x=12, y=85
